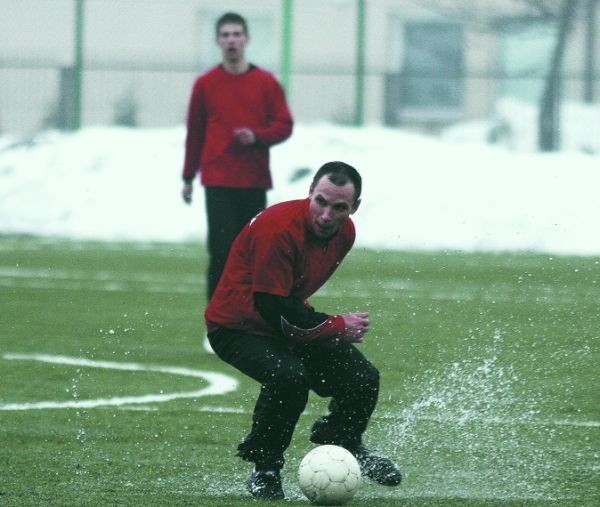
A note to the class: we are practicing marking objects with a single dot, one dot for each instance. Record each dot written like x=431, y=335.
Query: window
x=431, y=80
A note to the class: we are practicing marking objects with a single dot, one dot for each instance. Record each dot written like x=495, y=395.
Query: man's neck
x=236, y=67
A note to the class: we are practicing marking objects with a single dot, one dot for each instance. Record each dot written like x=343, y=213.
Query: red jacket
x=275, y=253
x=221, y=102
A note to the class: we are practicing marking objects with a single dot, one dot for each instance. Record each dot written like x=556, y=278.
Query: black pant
x=228, y=210
x=286, y=376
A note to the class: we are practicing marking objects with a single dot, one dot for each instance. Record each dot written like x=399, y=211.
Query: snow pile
x=419, y=192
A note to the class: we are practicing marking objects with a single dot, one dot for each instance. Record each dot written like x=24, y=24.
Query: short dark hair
x=232, y=18
x=339, y=173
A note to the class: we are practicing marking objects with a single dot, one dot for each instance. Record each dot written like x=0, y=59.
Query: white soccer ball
x=329, y=475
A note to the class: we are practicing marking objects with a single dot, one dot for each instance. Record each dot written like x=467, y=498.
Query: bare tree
x=548, y=118
x=561, y=12
x=591, y=16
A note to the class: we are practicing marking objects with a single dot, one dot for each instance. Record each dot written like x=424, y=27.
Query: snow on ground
x=420, y=192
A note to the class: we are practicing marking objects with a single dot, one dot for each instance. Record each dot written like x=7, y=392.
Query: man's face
x=232, y=40
x=330, y=206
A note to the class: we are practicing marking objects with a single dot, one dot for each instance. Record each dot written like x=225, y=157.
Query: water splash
x=471, y=434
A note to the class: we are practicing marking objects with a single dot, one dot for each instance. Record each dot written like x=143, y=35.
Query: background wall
x=428, y=63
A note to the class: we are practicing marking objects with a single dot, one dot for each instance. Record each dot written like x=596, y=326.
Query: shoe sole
x=207, y=347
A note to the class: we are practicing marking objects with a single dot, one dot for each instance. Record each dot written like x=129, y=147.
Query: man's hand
x=186, y=193
x=357, y=325
x=244, y=136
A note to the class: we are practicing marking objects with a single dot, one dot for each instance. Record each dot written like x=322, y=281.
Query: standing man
x=259, y=321
x=237, y=111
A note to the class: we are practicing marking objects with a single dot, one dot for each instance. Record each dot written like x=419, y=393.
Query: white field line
x=184, y=288
x=503, y=421
x=75, y=275
x=116, y=282
x=440, y=420
x=218, y=383
x=105, y=281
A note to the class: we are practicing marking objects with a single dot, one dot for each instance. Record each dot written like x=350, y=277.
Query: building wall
x=148, y=52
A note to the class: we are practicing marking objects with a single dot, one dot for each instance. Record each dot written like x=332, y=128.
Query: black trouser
x=286, y=376
x=228, y=210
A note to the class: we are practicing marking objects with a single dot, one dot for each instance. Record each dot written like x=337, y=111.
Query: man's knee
x=370, y=375
x=366, y=385
x=290, y=382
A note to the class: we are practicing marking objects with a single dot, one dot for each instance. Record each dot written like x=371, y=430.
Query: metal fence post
x=78, y=64
x=286, y=46
x=360, y=62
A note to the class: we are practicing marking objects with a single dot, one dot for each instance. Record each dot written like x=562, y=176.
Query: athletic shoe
x=265, y=485
x=207, y=346
x=377, y=468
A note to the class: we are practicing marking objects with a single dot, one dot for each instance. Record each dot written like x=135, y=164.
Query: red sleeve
x=332, y=328
x=196, y=122
x=279, y=118
x=297, y=320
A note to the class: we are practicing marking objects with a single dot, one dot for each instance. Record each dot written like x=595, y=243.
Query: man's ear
x=355, y=207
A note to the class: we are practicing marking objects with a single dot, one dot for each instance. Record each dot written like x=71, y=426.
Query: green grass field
x=489, y=363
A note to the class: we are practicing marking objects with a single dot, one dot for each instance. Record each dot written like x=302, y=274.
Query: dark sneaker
x=377, y=468
x=266, y=485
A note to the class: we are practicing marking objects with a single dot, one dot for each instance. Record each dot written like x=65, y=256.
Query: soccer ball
x=329, y=475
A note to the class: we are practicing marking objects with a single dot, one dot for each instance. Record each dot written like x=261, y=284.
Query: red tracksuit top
x=221, y=102
x=278, y=254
